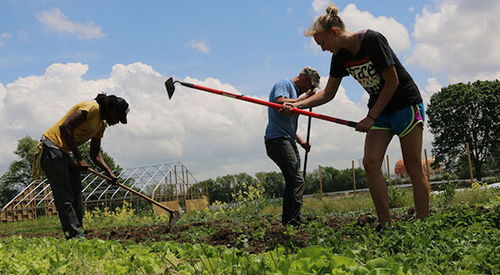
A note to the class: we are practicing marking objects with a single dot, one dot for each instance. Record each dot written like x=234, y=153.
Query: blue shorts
x=401, y=121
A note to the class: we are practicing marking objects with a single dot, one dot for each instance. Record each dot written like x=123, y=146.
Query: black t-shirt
x=366, y=66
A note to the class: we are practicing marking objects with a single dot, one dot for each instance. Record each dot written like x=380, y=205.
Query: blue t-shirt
x=281, y=125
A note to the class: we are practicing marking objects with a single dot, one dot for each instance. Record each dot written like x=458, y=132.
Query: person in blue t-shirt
x=280, y=138
x=395, y=105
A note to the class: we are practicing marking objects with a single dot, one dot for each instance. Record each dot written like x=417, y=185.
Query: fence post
x=320, y=181
x=354, y=178
x=388, y=169
x=427, y=166
x=470, y=164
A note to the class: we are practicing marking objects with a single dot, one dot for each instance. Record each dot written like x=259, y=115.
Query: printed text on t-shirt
x=364, y=72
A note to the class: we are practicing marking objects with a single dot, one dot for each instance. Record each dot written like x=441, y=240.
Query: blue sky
x=59, y=52
x=251, y=43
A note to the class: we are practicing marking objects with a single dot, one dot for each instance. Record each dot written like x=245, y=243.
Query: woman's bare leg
x=376, y=143
x=411, y=147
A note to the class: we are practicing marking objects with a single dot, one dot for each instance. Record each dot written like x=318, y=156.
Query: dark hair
x=112, y=102
x=102, y=99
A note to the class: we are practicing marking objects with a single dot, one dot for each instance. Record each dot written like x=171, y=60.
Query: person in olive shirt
x=84, y=121
x=395, y=105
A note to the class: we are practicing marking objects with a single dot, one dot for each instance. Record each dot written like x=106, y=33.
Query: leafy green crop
x=462, y=238
x=56, y=256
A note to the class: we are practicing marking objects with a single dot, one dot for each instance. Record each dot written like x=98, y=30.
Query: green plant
x=397, y=197
x=122, y=215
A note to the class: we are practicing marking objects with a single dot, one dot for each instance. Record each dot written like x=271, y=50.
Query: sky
x=56, y=53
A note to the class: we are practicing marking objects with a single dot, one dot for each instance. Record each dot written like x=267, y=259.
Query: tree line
x=222, y=188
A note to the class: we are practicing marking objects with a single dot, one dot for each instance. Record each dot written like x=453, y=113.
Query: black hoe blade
x=169, y=84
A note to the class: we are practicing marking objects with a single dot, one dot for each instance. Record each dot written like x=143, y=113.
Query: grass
x=40, y=225
x=462, y=238
x=313, y=206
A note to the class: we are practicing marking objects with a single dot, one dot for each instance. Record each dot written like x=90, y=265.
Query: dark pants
x=285, y=154
x=65, y=182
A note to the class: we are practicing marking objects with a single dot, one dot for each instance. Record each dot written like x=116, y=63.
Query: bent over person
x=84, y=121
x=280, y=138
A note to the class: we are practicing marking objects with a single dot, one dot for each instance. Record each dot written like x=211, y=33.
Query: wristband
x=368, y=115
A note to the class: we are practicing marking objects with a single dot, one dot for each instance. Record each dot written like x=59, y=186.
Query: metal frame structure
x=162, y=182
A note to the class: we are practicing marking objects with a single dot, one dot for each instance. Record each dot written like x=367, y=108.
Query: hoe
x=169, y=84
x=174, y=215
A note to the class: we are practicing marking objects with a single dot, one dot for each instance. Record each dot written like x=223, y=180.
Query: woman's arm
x=322, y=97
x=317, y=99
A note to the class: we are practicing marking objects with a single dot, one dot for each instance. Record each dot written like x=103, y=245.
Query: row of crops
x=460, y=238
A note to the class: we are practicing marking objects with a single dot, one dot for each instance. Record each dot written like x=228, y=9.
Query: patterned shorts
x=401, y=121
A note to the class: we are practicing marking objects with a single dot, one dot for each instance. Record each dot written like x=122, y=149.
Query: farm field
x=462, y=236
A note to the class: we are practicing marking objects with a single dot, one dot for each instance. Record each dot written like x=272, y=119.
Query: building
x=400, y=170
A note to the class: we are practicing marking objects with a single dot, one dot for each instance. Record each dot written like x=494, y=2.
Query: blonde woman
x=395, y=105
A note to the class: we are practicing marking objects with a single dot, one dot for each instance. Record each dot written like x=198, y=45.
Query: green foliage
x=462, y=239
x=448, y=191
x=397, y=197
x=18, y=175
x=120, y=216
x=56, y=256
x=466, y=113
x=223, y=188
x=274, y=183
x=248, y=201
x=334, y=180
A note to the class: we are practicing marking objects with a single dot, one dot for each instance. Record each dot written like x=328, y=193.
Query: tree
x=18, y=175
x=222, y=188
x=466, y=113
x=274, y=183
x=334, y=180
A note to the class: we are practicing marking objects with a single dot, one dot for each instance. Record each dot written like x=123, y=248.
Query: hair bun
x=332, y=10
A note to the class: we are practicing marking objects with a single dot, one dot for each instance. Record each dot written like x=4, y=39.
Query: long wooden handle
x=269, y=104
x=132, y=190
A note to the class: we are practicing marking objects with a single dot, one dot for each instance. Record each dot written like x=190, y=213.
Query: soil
x=255, y=236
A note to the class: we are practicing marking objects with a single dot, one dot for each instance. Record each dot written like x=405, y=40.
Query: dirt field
x=255, y=236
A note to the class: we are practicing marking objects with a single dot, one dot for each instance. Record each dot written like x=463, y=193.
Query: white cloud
x=199, y=46
x=459, y=38
x=212, y=135
x=433, y=86
x=395, y=32
x=56, y=21
x=4, y=36
x=319, y=6
x=355, y=20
